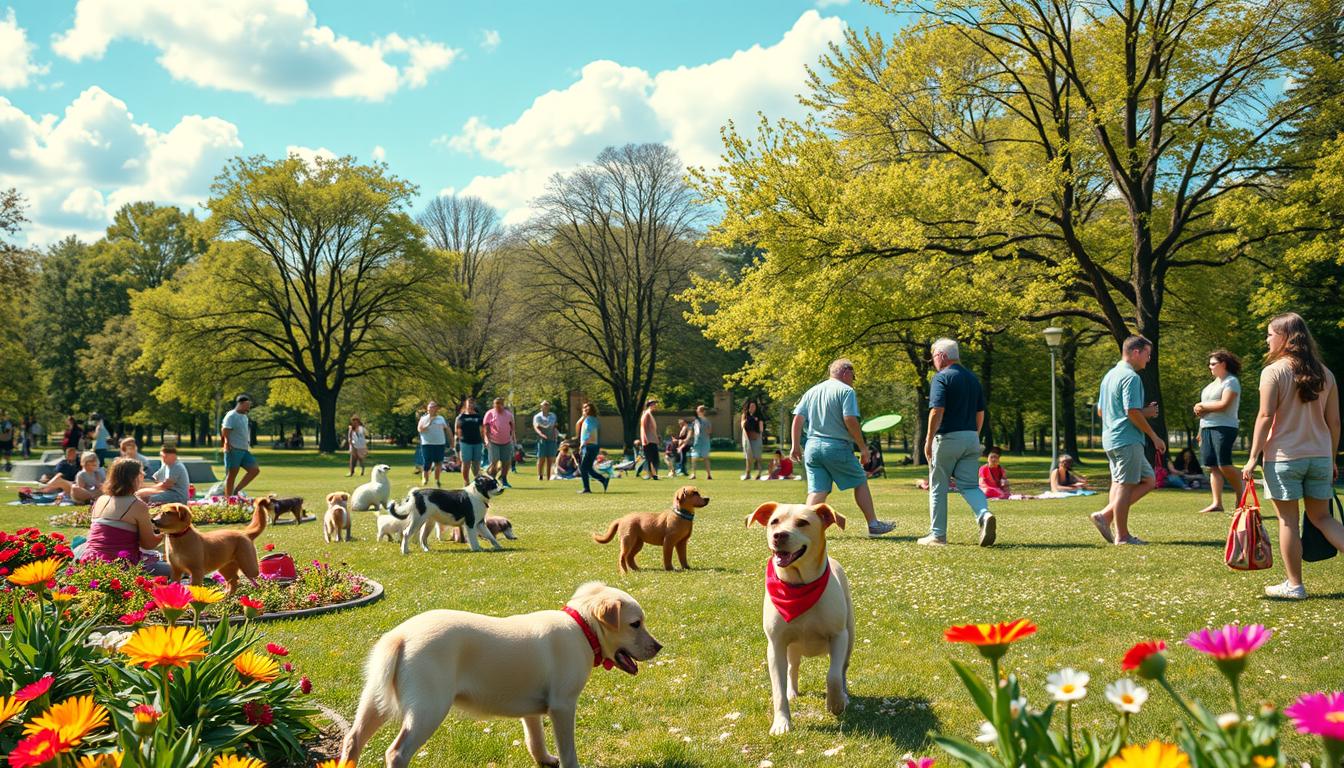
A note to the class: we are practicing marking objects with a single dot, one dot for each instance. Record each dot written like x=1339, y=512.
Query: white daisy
x=1126, y=696
x=1017, y=706
x=1067, y=684
x=988, y=734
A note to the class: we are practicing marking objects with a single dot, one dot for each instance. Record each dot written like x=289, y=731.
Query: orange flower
x=263, y=669
x=103, y=760
x=336, y=764
x=159, y=646
x=992, y=640
x=9, y=707
x=72, y=719
x=237, y=761
x=35, y=574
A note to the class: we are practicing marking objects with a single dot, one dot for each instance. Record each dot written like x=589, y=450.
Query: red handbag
x=1248, y=547
x=278, y=566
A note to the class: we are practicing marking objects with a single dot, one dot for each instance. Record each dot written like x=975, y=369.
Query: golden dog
x=196, y=553
x=337, y=518
x=670, y=529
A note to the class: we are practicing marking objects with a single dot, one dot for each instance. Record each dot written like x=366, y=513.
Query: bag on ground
x=1315, y=547
x=1248, y=547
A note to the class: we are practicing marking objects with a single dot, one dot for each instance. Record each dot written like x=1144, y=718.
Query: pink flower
x=276, y=649
x=1321, y=714
x=172, y=596
x=288, y=666
x=312, y=597
x=34, y=690
x=1231, y=642
x=135, y=617
x=919, y=762
x=306, y=686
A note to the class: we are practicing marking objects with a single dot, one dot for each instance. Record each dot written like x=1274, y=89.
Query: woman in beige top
x=1296, y=434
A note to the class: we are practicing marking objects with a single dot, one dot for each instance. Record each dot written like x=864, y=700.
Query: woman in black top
x=73, y=434
x=751, y=438
x=470, y=442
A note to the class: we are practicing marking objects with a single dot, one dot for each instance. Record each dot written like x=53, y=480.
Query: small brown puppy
x=500, y=526
x=196, y=553
x=337, y=519
x=291, y=505
x=670, y=529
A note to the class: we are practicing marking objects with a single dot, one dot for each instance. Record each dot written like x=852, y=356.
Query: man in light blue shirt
x=235, y=437
x=829, y=412
x=1124, y=423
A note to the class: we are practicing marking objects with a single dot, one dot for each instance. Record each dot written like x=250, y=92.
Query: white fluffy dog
x=374, y=494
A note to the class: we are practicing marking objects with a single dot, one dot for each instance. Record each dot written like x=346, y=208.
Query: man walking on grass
x=498, y=424
x=235, y=437
x=1124, y=422
x=952, y=447
x=648, y=439
x=830, y=413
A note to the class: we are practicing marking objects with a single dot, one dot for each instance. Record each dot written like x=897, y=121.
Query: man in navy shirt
x=952, y=447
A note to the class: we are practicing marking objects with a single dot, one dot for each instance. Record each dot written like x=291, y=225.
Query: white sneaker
x=1286, y=591
x=744, y=477
x=932, y=541
x=988, y=530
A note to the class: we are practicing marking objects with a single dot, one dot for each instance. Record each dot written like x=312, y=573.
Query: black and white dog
x=465, y=508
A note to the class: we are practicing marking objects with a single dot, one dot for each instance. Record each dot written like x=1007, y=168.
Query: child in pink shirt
x=993, y=478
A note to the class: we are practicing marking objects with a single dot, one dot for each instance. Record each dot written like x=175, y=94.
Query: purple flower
x=124, y=554
x=93, y=583
x=219, y=579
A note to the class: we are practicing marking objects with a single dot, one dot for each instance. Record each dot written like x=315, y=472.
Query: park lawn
x=705, y=700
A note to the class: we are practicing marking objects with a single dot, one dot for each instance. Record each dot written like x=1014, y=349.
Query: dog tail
x=611, y=532
x=258, y=524
x=380, y=676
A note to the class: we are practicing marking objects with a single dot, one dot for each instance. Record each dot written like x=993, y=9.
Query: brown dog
x=291, y=505
x=670, y=529
x=196, y=553
x=500, y=526
x=337, y=519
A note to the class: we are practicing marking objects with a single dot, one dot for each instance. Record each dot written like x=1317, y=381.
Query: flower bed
x=27, y=545
x=153, y=696
x=216, y=510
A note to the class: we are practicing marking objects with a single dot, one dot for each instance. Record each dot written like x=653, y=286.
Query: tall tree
x=311, y=265
x=21, y=381
x=469, y=228
x=611, y=244
x=154, y=241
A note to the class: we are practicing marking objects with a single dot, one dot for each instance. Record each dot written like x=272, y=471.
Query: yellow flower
x=263, y=669
x=237, y=761
x=159, y=646
x=205, y=595
x=1155, y=755
x=35, y=573
x=72, y=719
x=336, y=764
x=9, y=707
x=61, y=597
x=1264, y=761
x=104, y=760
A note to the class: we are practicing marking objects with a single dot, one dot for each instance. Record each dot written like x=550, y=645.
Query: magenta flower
x=919, y=762
x=1231, y=642
x=1321, y=714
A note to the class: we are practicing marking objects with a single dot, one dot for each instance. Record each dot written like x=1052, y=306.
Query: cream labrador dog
x=807, y=609
x=519, y=666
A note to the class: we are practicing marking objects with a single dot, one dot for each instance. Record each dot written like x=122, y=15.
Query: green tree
x=311, y=267
x=21, y=381
x=152, y=242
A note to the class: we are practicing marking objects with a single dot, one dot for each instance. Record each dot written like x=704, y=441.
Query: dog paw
x=550, y=761
x=836, y=702
x=792, y=693
x=781, y=726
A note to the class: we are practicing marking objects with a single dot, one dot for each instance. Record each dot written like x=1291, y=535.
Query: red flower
x=115, y=584
x=287, y=666
x=172, y=596
x=257, y=713
x=8, y=553
x=42, y=747
x=57, y=536
x=250, y=602
x=992, y=640
x=276, y=650
x=34, y=690
x=269, y=547
x=305, y=685
x=1147, y=658
x=135, y=617
x=38, y=550
x=128, y=594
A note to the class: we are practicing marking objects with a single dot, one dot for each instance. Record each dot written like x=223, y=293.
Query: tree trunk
x=629, y=431
x=1152, y=381
x=326, y=428
x=1019, y=433
x=987, y=383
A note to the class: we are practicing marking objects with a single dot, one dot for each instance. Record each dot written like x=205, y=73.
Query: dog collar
x=683, y=514
x=793, y=600
x=588, y=635
x=180, y=533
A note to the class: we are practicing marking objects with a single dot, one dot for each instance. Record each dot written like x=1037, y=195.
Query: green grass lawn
x=705, y=700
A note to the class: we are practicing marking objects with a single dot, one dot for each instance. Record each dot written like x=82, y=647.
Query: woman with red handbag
x=1296, y=434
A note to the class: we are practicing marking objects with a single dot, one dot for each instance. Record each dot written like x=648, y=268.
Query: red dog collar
x=793, y=600
x=180, y=533
x=588, y=634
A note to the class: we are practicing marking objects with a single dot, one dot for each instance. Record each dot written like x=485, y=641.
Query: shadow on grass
x=1193, y=543
x=1051, y=545
x=905, y=721
x=667, y=762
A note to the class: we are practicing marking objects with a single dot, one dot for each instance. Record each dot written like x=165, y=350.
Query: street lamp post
x=1092, y=421
x=1053, y=337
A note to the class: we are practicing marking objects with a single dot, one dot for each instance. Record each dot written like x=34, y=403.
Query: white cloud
x=309, y=155
x=447, y=191
x=16, y=63
x=78, y=168
x=614, y=104
x=829, y=3
x=274, y=49
x=490, y=39
x=379, y=153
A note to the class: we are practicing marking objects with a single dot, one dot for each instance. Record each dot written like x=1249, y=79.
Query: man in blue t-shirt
x=1124, y=422
x=235, y=438
x=830, y=412
x=952, y=446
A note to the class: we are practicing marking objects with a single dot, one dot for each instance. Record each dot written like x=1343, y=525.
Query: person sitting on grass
x=993, y=477
x=1063, y=479
x=1187, y=466
x=131, y=450
x=120, y=527
x=172, y=479
x=566, y=466
x=66, y=468
x=85, y=488
x=781, y=467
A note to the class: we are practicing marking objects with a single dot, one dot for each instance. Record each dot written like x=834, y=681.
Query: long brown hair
x=1304, y=358
x=124, y=478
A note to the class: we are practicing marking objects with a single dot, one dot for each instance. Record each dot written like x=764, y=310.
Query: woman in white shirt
x=1219, y=423
x=357, y=439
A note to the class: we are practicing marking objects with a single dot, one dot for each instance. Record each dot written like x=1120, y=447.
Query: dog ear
x=762, y=513
x=608, y=612
x=679, y=497
x=829, y=516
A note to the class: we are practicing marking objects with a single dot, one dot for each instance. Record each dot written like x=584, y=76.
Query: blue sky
x=107, y=101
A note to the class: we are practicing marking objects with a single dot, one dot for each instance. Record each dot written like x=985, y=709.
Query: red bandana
x=793, y=600
x=588, y=634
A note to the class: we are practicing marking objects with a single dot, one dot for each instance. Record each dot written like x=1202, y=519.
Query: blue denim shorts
x=235, y=458
x=1299, y=478
x=828, y=462
x=1128, y=464
x=470, y=452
